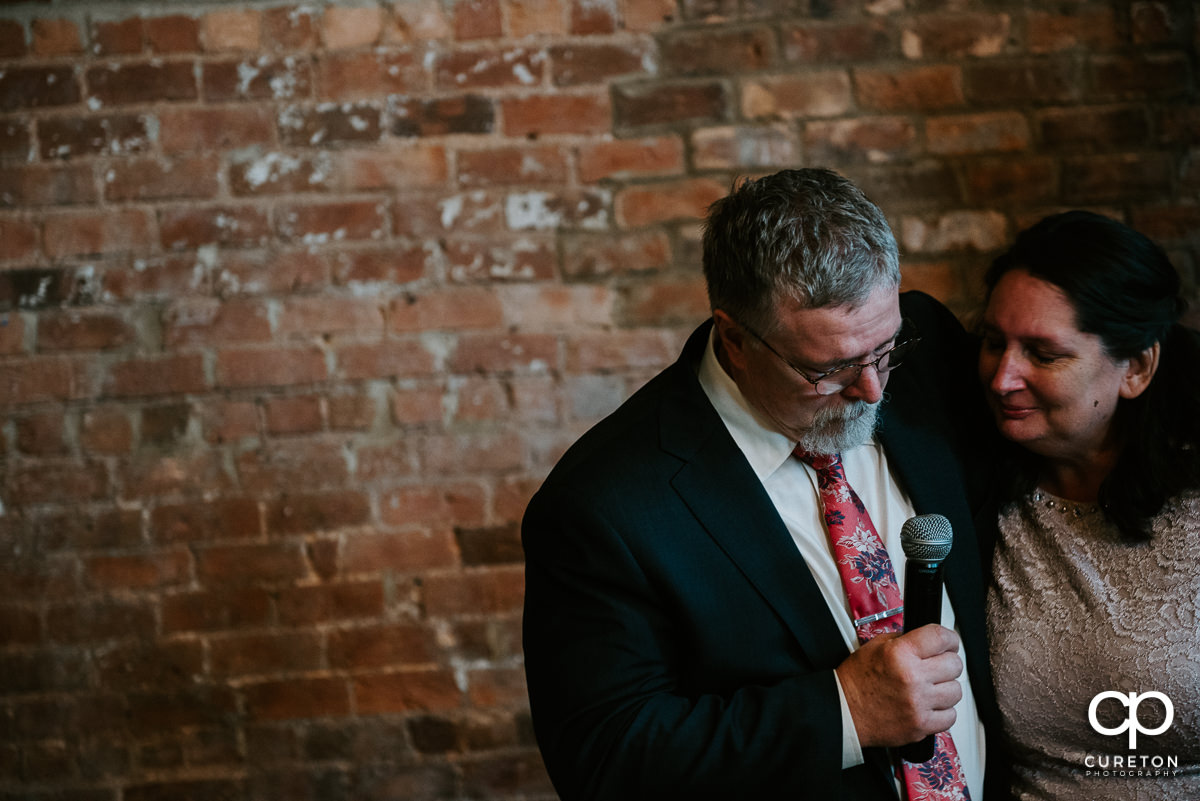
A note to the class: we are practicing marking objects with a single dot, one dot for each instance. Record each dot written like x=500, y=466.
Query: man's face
x=815, y=340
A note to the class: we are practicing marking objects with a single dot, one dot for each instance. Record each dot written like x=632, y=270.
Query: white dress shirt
x=792, y=487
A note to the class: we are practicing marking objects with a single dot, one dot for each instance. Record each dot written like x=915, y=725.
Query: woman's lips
x=1013, y=412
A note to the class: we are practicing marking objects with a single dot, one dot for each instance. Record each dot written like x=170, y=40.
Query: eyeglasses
x=833, y=381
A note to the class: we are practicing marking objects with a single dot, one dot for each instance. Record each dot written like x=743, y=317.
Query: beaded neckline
x=1062, y=506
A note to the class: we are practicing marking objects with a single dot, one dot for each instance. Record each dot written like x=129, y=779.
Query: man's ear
x=731, y=339
x=1141, y=369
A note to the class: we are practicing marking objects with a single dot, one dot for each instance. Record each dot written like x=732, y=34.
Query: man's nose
x=867, y=386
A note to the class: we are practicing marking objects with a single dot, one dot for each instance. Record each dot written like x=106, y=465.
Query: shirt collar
x=764, y=448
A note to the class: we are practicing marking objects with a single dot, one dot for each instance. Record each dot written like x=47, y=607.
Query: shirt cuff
x=852, y=754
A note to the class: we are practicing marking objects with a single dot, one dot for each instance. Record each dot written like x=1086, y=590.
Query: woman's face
x=1051, y=387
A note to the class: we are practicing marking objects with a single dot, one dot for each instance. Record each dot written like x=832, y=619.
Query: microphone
x=926, y=540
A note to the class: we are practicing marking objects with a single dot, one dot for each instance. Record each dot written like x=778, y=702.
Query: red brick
x=820, y=94
x=218, y=519
x=265, y=367
x=99, y=620
x=385, y=459
x=1072, y=129
x=489, y=354
x=297, y=698
x=19, y=239
x=873, y=140
x=382, y=646
x=929, y=181
x=538, y=308
x=909, y=89
x=954, y=231
x=351, y=411
x=713, y=50
x=583, y=63
x=39, y=380
x=330, y=124
x=123, y=37
x=497, y=687
x=1167, y=223
x=326, y=603
x=344, y=76
x=296, y=513
x=87, y=233
x=69, y=137
x=263, y=78
x=1023, y=82
x=396, y=358
x=665, y=303
x=289, y=28
x=138, y=571
x=41, y=434
x=589, y=17
x=455, y=504
x=483, y=452
x=536, y=17
x=188, y=227
x=401, y=552
x=154, y=474
x=300, y=465
x=12, y=339
x=478, y=400
x=658, y=103
x=278, y=561
x=662, y=202
x=124, y=84
x=221, y=610
x=1083, y=28
x=490, y=69
x=169, y=375
x=15, y=140
x=299, y=415
x=12, y=39
x=232, y=29
x=1026, y=180
x=595, y=255
x=83, y=330
x=823, y=43
x=492, y=590
x=47, y=185
x=937, y=278
x=498, y=260
x=106, y=431
x=512, y=165
x=277, y=173
x=302, y=317
x=1153, y=75
x=747, y=147
x=55, y=37
x=251, y=654
x=458, y=114
x=407, y=691
x=947, y=36
x=977, y=133
x=333, y=222
x=542, y=114
x=228, y=421
x=1121, y=177
x=38, y=87
x=477, y=19
x=212, y=129
x=418, y=406
x=173, y=34
x=446, y=309
x=399, y=264
x=1158, y=23
x=347, y=27
x=152, y=179
x=628, y=158
x=619, y=350
x=203, y=321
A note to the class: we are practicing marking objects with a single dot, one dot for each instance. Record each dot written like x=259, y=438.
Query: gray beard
x=840, y=429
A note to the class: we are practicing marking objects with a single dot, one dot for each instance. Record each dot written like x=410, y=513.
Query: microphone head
x=926, y=538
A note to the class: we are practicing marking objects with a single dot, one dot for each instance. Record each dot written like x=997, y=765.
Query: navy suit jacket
x=676, y=644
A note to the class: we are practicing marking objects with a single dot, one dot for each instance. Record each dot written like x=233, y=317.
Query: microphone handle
x=922, y=605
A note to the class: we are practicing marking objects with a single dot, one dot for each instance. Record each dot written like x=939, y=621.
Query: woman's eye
x=1042, y=357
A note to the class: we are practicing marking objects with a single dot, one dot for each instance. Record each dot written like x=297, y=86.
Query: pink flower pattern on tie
x=870, y=584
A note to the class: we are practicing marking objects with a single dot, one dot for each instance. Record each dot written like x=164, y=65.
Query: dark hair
x=1125, y=290
x=809, y=234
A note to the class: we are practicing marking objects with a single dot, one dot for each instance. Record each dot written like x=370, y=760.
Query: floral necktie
x=877, y=607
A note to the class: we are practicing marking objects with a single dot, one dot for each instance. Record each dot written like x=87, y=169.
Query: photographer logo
x=1132, y=724
x=1130, y=765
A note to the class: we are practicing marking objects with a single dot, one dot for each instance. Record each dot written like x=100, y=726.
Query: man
x=688, y=628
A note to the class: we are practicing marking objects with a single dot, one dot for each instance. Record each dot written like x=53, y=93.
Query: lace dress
x=1074, y=612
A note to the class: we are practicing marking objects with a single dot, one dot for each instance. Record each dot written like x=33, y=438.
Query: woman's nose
x=1006, y=374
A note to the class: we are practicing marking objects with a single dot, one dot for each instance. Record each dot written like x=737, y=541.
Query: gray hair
x=807, y=234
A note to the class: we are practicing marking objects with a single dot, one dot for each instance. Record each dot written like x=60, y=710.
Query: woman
x=1096, y=568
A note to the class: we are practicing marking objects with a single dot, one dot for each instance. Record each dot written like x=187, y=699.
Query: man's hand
x=902, y=687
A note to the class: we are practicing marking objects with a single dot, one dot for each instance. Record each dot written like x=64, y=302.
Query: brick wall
x=299, y=302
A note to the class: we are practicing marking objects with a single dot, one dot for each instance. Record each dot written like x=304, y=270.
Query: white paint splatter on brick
x=270, y=168
x=246, y=75
x=530, y=211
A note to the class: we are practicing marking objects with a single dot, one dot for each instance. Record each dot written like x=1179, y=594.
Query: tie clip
x=878, y=616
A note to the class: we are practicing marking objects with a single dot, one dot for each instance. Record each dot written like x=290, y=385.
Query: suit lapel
x=750, y=531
